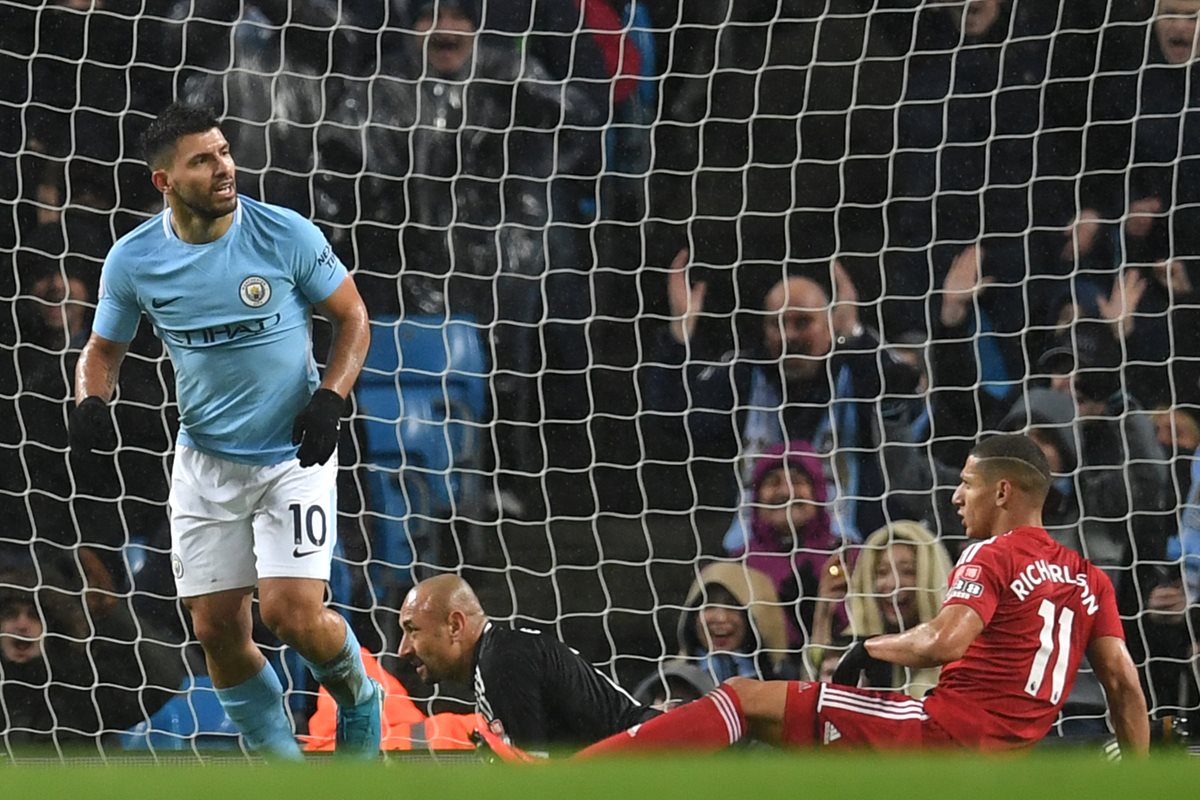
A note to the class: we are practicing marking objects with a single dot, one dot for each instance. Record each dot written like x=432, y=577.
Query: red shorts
x=842, y=716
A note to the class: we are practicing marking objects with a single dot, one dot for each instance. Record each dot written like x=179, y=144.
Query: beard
x=202, y=205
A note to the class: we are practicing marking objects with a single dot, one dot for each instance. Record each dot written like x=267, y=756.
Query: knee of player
x=759, y=700
x=292, y=624
x=217, y=633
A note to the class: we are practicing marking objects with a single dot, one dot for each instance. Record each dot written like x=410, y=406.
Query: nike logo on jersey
x=298, y=553
x=163, y=302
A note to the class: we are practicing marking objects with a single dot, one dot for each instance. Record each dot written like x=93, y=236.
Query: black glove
x=855, y=662
x=90, y=426
x=316, y=427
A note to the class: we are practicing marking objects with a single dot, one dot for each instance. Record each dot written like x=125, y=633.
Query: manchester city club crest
x=255, y=291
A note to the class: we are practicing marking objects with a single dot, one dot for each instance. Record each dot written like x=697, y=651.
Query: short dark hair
x=1017, y=458
x=175, y=121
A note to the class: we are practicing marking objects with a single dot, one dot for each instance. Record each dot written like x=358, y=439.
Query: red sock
x=713, y=722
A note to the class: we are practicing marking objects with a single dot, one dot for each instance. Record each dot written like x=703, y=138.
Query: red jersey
x=1042, y=605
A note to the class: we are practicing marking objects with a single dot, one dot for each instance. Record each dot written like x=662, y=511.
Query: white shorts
x=232, y=523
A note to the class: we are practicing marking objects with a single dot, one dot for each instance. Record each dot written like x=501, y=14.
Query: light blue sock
x=256, y=707
x=344, y=675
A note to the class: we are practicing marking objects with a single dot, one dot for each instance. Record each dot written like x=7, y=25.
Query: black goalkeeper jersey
x=540, y=693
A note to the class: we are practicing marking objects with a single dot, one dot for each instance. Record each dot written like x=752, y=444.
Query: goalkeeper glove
x=855, y=662
x=492, y=749
x=316, y=427
x=90, y=426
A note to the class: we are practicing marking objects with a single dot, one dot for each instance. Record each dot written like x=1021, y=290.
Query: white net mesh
x=972, y=199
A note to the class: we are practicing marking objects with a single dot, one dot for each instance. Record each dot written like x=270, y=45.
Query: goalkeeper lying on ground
x=531, y=689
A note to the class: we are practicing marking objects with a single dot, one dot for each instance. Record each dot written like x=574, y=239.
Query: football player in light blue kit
x=229, y=284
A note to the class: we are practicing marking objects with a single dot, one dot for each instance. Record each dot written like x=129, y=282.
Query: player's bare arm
x=941, y=640
x=351, y=337
x=90, y=428
x=98, y=368
x=1126, y=704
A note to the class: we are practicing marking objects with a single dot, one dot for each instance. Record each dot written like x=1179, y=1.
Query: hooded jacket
x=765, y=652
x=793, y=563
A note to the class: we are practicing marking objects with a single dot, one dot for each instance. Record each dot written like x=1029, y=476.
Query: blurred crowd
x=783, y=260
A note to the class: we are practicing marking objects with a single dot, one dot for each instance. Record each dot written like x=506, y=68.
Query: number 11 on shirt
x=1037, y=671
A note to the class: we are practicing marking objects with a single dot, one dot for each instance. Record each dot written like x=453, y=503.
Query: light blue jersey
x=234, y=314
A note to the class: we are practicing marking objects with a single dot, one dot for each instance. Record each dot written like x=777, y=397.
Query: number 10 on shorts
x=310, y=527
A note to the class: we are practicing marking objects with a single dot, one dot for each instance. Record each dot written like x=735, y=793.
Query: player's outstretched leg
x=256, y=707
x=359, y=699
x=711, y=723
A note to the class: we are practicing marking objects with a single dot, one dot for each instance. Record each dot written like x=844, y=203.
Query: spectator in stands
x=790, y=535
x=987, y=159
x=1142, y=175
x=564, y=40
x=1122, y=476
x=818, y=376
x=734, y=624
x=974, y=363
x=270, y=123
x=675, y=682
x=1178, y=432
x=76, y=88
x=462, y=150
x=67, y=679
x=897, y=582
x=75, y=513
x=1047, y=416
x=1167, y=647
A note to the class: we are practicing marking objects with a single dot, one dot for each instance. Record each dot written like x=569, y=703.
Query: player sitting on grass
x=1019, y=616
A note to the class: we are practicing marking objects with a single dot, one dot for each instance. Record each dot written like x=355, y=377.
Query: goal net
x=674, y=306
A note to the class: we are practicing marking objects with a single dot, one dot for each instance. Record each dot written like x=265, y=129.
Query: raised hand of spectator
x=831, y=591
x=1122, y=301
x=1083, y=234
x=1140, y=220
x=1167, y=604
x=686, y=301
x=845, y=302
x=833, y=581
x=963, y=284
x=1172, y=275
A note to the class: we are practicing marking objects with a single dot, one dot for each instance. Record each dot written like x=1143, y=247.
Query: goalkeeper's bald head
x=442, y=620
x=443, y=594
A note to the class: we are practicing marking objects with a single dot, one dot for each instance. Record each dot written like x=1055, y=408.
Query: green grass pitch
x=733, y=776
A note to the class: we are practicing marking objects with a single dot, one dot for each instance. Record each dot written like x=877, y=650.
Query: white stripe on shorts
x=871, y=706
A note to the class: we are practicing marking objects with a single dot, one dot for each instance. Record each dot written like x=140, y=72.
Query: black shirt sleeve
x=544, y=694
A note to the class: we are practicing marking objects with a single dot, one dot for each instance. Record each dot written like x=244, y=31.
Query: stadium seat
x=422, y=396
x=193, y=718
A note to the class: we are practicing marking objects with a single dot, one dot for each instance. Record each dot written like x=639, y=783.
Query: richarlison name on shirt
x=1039, y=572
x=966, y=584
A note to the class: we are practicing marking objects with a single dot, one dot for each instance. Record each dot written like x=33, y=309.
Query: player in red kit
x=1020, y=614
